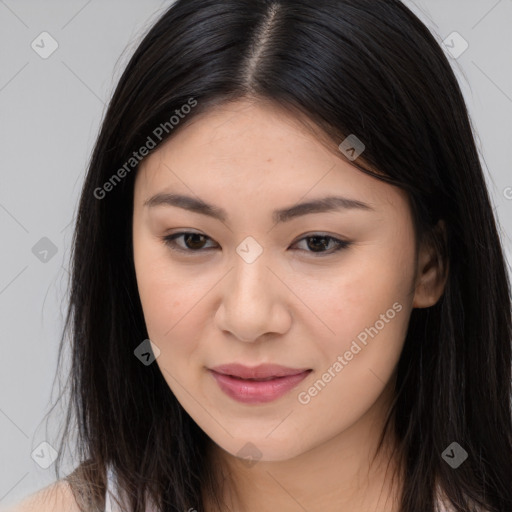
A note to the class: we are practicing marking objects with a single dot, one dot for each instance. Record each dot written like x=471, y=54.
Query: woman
x=288, y=289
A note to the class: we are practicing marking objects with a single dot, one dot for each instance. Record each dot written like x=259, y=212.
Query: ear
x=432, y=268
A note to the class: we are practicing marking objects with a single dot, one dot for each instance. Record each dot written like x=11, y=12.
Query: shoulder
x=56, y=497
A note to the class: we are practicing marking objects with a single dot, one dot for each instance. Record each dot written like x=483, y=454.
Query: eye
x=319, y=242
x=192, y=242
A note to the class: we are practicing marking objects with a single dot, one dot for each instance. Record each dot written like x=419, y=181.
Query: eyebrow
x=325, y=204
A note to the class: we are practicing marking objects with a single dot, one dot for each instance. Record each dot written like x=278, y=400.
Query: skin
x=292, y=306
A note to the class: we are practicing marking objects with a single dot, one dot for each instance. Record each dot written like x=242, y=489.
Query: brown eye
x=192, y=242
x=319, y=244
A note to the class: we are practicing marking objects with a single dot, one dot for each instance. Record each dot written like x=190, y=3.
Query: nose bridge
x=251, y=301
x=249, y=279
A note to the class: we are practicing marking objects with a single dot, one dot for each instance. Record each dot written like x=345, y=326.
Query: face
x=325, y=294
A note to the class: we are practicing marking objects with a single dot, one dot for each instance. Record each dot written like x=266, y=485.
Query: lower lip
x=254, y=392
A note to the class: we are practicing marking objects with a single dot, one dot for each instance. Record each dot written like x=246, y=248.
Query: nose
x=253, y=302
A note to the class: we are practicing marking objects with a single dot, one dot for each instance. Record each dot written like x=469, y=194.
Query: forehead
x=251, y=150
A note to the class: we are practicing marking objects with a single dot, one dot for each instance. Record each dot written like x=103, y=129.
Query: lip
x=235, y=381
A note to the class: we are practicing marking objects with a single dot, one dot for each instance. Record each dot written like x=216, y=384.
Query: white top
x=110, y=504
x=112, y=492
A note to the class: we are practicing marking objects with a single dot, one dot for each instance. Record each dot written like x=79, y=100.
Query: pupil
x=190, y=236
x=323, y=244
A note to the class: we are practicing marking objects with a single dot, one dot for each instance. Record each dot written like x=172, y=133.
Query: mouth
x=256, y=380
x=260, y=372
x=260, y=384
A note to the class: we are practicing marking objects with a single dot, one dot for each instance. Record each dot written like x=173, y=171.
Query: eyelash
x=170, y=241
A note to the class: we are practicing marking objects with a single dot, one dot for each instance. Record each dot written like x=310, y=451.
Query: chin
x=254, y=449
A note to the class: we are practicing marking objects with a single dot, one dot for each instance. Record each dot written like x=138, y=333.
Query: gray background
x=50, y=111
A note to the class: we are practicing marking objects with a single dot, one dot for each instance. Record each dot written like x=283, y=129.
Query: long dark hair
x=371, y=69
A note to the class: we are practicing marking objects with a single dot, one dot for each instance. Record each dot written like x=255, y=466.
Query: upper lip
x=262, y=371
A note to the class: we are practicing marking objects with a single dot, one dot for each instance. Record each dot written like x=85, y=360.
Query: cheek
x=172, y=304
x=365, y=299
x=160, y=289
x=367, y=308
x=168, y=305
